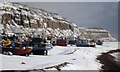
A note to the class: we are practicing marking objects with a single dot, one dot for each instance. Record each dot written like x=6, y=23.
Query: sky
x=85, y=14
x=61, y=0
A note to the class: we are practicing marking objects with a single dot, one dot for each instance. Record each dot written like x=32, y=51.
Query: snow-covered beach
x=33, y=30
x=79, y=58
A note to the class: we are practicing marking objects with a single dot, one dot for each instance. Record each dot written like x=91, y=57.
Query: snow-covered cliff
x=17, y=18
x=22, y=19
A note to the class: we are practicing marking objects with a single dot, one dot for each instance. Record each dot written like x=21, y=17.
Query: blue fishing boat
x=83, y=43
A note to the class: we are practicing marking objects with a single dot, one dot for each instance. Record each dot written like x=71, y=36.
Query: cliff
x=20, y=18
x=17, y=18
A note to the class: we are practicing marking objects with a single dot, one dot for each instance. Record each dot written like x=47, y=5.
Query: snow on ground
x=84, y=58
x=0, y=62
x=117, y=56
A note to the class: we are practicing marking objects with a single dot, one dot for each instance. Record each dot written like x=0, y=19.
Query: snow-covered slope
x=80, y=58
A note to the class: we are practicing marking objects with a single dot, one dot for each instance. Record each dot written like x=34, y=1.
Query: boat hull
x=82, y=45
x=17, y=51
x=61, y=44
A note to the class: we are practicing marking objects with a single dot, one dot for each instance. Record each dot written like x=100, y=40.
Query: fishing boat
x=92, y=43
x=59, y=42
x=40, y=46
x=72, y=42
x=16, y=48
x=83, y=43
x=99, y=42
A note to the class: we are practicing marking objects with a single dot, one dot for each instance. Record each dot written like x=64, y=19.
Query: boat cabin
x=59, y=42
x=83, y=43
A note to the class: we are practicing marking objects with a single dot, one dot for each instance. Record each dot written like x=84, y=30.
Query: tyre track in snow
x=58, y=67
x=72, y=51
x=61, y=65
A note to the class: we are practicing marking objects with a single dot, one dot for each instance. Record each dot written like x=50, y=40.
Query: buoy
x=23, y=48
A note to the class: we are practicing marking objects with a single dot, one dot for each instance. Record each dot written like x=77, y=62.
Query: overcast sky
x=86, y=14
x=61, y=0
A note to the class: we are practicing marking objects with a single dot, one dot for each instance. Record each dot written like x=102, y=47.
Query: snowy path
x=82, y=58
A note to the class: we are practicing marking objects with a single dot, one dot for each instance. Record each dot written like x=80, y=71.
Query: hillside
x=17, y=18
x=14, y=17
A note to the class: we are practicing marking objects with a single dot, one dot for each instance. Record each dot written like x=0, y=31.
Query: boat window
x=92, y=41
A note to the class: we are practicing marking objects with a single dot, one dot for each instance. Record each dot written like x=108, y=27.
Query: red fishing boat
x=16, y=48
x=59, y=42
